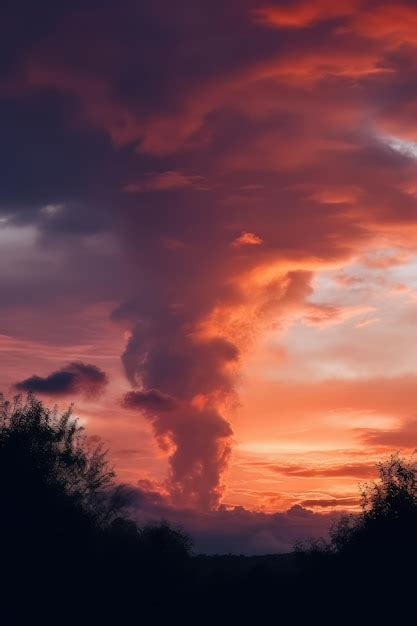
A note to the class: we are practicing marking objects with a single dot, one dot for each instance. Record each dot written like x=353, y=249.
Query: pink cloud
x=302, y=13
x=247, y=239
x=165, y=181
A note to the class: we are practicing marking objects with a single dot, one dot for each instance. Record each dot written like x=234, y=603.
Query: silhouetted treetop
x=395, y=492
x=38, y=443
x=387, y=523
x=55, y=484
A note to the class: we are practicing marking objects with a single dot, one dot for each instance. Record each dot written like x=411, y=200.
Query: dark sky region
x=208, y=237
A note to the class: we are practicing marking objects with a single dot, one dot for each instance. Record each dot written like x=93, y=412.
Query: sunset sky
x=208, y=243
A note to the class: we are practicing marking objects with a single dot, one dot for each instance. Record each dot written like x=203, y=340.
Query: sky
x=208, y=243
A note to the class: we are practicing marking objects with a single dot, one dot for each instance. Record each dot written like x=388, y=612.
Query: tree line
x=70, y=553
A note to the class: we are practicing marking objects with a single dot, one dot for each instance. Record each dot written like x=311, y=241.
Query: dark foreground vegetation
x=70, y=554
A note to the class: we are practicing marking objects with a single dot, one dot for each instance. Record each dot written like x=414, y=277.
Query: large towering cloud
x=185, y=379
x=184, y=362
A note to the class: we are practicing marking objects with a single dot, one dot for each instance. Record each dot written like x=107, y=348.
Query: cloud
x=234, y=530
x=391, y=23
x=184, y=379
x=330, y=503
x=356, y=470
x=325, y=314
x=165, y=181
x=379, y=395
x=198, y=441
x=151, y=400
x=75, y=378
x=368, y=322
x=404, y=437
x=303, y=13
x=247, y=239
x=336, y=195
x=384, y=259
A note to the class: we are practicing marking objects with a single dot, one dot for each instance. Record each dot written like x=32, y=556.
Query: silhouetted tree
x=374, y=550
x=62, y=519
x=388, y=520
x=47, y=468
x=365, y=566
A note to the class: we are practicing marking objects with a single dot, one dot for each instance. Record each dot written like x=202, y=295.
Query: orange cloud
x=405, y=436
x=381, y=396
x=392, y=22
x=383, y=259
x=349, y=470
x=322, y=314
x=395, y=23
x=164, y=181
x=247, y=239
x=337, y=195
x=304, y=13
x=317, y=64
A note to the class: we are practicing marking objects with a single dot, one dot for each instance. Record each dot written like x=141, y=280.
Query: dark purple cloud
x=152, y=401
x=74, y=378
x=330, y=503
x=197, y=440
x=186, y=375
